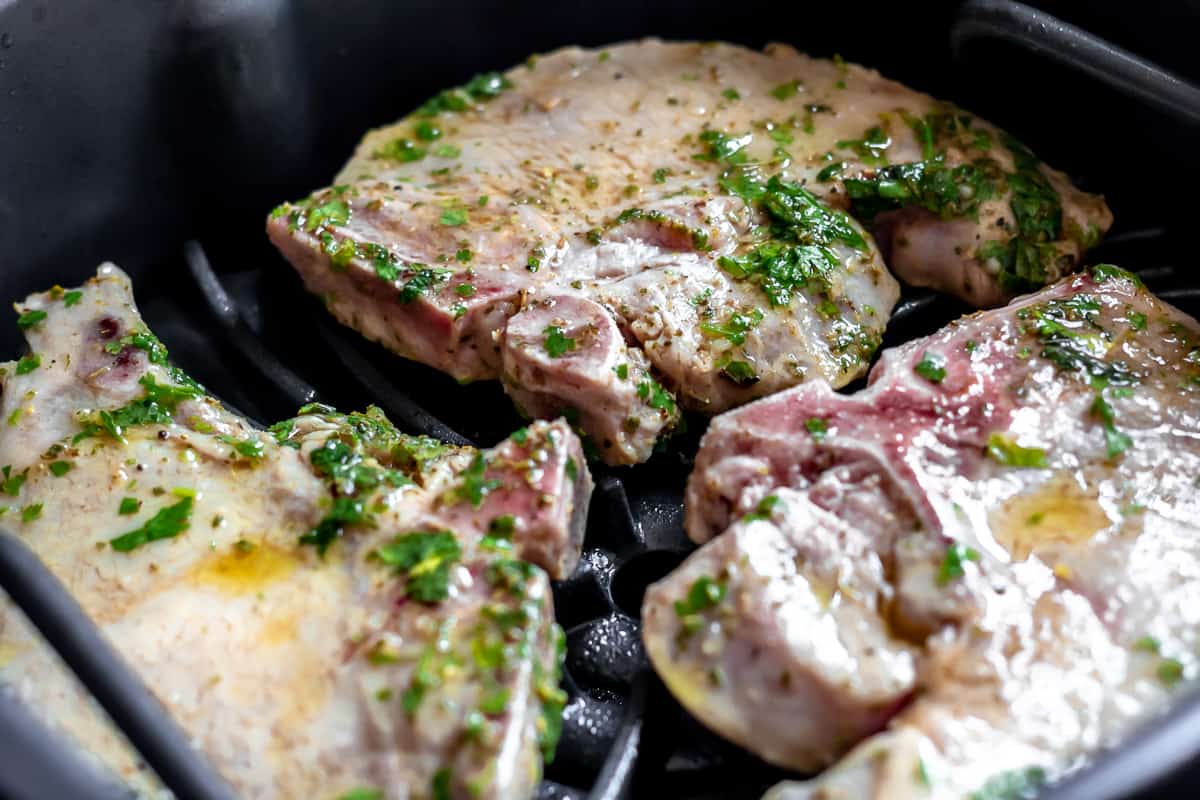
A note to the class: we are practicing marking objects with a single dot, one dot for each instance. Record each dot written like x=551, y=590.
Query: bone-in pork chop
x=326, y=606
x=626, y=231
x=974, y=572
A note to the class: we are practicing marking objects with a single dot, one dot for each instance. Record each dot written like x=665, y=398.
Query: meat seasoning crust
x=967, y=576
x=615, y=234
x=330, y=608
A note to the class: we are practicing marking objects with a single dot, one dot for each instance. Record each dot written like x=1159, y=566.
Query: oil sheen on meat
x=326, y=606
x=964, y=578
x=620, y=233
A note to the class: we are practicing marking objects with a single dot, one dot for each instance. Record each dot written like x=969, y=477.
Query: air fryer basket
x=129, y=127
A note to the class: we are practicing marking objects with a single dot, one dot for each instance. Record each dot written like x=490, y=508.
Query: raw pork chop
x=990, y=554
x=325, y=606
x=621, y=231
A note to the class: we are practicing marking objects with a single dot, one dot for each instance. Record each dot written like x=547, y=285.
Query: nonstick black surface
x=127, y=128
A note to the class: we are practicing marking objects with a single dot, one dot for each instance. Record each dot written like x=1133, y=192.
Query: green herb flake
x=731, y=94
x=28, y=364
x=1004, y=450
x=425, y=559
x=659, y=398
x=931, y=367
x=13, y=482
x=168, y=523
x=72, y=298
x=1146, y=644
x=741, y=373
x=362, y=793
x=129, y=505
x=402, y=150
x=31, y=512
x=785, y=91
x=1106, y=272
x=817, y=427
x=427, y=131
x=421, y=279
x=556, y=343
x=440, y=785
x=453, y=217
x=735, y=328
x=59, y=468
x=474, y=487
x=1021, y=784
x=705, y=593
x=250, y=448
x=953, y=562
x=447, y=151
x=30, y=318
x=763, y=510
x=1170, y=671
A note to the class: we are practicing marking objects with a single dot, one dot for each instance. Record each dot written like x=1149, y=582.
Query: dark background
x=127, y=126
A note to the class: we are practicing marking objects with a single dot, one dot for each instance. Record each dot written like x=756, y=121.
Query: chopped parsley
x=283, y=431
x=1020, y=784
x=763, y=510
x=949, y=192
x=931, y=367
x=28, y=364
x=705, y=593
x=362, y=793
x=1170, y=671
x=817, y=427
x=425, y=559
x=156, y=406
x=59, y=468
x=734, y=330
x=31, y=512
x=1004, y=450
x=474, y=487
x=479, y=89
x=420, y=280
x=741, y=373
x=785, y=91
x=168, y=523
x=656, y=396
x=1146, y=644
x=870, y=148
x=249, y=448
x=12, y=483
x=30, y=318
x=723, y=148
x=798, y=255
x=427, y=131
x=952, y=567
x=72, y=297
x=453, y=217
x=403, y=150
x=556, y=343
